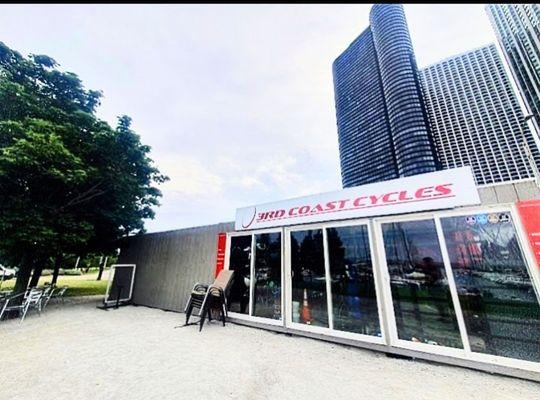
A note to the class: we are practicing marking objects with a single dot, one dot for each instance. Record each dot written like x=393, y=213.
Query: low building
x=428, y=266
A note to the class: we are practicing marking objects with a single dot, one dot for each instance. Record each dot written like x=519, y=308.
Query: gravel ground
x=76, y=351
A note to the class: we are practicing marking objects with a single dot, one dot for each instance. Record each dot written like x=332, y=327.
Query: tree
x=69, y=183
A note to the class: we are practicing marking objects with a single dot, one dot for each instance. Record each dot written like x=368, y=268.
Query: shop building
x=427, y=266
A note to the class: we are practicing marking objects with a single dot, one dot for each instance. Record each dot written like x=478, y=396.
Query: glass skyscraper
x=383, y=127
x=517, y=27
x=476, y=117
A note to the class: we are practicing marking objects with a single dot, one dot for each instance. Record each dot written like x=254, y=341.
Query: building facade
x=476, y=118
x=517, y=27
x=383, y=128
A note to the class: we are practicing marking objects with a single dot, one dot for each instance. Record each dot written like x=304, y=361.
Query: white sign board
x=436, y=190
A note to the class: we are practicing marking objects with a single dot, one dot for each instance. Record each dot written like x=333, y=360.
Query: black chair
x=206, y=298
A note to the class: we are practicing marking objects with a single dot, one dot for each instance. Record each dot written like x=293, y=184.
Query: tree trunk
x=57, y=264
x=101, y=268
x=25, y=269
x=37, y=273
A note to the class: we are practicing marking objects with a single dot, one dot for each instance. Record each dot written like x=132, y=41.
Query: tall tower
x=476, y=117
x=517, y=27
x=383, y=127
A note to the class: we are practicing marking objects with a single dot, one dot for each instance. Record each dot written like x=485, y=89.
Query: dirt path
x=79, y=352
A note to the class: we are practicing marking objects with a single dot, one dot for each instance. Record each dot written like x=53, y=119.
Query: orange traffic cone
x=306, y=312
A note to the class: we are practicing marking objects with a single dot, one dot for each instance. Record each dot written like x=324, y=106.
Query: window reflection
x=500, y=306
x=239, y=262
x=309, y=302
x=354, y=301
x=267, y=301
x=422, y=301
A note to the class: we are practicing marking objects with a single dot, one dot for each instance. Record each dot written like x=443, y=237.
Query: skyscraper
x=476, y=118
x=383, y=128
x=517, y=27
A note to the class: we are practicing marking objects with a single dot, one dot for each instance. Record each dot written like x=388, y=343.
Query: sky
x=236, y=101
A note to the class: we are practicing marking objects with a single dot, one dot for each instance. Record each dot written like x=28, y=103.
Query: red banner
x=220, y=259
x=529, y=211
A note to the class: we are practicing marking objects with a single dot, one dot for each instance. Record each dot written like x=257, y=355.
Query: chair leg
x=223, y=314
x=188, y=313
x=25, y=310
x=203, y=315
x=3, y=310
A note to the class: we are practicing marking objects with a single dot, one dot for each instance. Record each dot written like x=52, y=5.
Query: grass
x=83, y=285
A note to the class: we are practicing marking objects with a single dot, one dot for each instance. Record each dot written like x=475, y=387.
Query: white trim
x=328, y=280
x=106, y=300
x=252, y=275
x=249, y=316
x=452, y=286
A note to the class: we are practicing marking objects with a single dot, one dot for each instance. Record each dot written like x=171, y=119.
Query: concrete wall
x=170, y=263
x=509, y=192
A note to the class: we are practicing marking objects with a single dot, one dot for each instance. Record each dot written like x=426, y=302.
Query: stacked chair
x=206, y=298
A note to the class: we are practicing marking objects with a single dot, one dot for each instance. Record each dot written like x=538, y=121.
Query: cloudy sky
x=236, y=101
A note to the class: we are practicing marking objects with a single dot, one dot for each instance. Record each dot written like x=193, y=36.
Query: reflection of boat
x=399, y=281
x=516, y=281
x=508, y=280
x=416, y=275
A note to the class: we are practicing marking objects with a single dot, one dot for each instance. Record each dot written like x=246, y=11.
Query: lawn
x=83, y=285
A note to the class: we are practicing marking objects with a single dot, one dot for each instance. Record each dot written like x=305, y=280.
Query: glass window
x=239, y=262
x=499, y=303
x=267, y=297
x=354, y=300
x=309, y=301
x=422, y=301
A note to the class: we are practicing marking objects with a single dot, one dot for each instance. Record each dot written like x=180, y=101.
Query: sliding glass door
x=422, y=303
x=332, y=286
x=308, y=278
x=240, y=263
x=256, y=259
x=462, y=284
x=500, y=306
x=267, y=276
x=354, y=296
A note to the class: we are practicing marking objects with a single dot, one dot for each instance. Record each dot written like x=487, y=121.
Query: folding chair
x=47, y=294
x=31, y=299
x=59, y=294
x=209, y=297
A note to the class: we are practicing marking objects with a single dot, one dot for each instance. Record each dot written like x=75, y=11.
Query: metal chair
x=209, y=297
x=31, y=299
x=47, y=295
x=59, y=294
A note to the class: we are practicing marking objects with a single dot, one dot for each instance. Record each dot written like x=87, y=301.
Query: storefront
x=413, y=264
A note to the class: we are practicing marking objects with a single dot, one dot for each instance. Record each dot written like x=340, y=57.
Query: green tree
x=69, y=183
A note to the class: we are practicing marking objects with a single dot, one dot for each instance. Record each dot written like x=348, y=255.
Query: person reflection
x=436, y=288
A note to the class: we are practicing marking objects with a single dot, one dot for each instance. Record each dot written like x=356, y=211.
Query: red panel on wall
x=220, y=260
x=529, y=211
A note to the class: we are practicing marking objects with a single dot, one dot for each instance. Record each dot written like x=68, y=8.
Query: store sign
x=529, y=212
x=220, y=256
x=436, y=190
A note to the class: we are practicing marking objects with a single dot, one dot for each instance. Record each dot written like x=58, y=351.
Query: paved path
x=79, y=352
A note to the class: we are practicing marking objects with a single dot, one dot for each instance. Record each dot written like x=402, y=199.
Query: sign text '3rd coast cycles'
x=442, y=189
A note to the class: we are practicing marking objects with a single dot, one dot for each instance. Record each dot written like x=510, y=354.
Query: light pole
x=527, y=150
